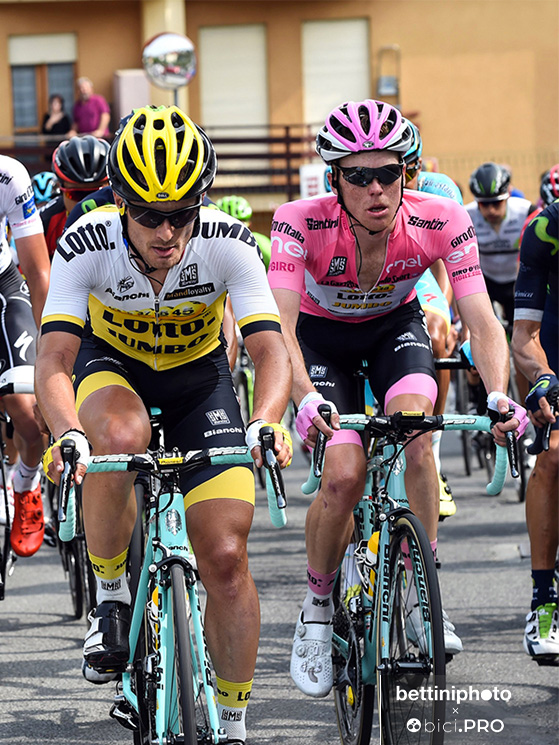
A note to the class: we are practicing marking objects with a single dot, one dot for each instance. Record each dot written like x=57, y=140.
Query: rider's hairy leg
x=542, y=506
x=218, y=530
x=329, y=520
x=115, y=421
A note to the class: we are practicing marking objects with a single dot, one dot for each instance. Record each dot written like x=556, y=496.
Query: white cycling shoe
x=416, y=633
x=541, y=635
x=311, y=658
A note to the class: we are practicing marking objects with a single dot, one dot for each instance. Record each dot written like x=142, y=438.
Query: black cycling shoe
x=105, y=646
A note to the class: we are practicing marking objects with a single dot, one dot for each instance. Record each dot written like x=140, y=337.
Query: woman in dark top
x=56, y=121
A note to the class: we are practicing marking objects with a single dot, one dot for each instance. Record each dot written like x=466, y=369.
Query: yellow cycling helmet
x=160, y=155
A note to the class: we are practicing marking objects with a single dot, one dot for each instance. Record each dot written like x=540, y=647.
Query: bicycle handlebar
x=167, y=463
x=401, y=424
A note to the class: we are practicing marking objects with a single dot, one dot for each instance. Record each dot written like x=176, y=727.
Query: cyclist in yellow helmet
x=150, y=275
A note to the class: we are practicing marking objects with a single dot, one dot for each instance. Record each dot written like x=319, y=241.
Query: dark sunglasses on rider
x=152, y=219
x=489, y=202
x=411, y=171
x=361, y=176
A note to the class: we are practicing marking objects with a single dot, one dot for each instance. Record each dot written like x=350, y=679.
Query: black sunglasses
x=489, y=202
x=153, y=218
x=361, y=176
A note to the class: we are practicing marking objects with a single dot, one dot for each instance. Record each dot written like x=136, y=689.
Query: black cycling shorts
x=394, y=345
x=199, y=405
x=18, y=332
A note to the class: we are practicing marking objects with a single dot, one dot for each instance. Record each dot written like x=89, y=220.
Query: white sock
x=317, y=608
x=25, y=478
x=113, y=589
x=233, y=721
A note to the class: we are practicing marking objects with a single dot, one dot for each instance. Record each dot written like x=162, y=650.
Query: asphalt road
x=486, y=592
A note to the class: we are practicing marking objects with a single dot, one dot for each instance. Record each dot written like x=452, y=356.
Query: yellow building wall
x=108, y=39
x=483, y=74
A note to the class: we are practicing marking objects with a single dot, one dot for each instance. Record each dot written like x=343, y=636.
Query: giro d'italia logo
x=413, y=725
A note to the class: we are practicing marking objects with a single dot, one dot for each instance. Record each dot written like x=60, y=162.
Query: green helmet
x=236, y=207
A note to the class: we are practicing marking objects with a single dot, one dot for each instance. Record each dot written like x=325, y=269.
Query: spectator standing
x=91, y=112
x=56, y=121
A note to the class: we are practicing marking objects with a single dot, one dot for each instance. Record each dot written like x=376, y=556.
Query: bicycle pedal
x=123, y=712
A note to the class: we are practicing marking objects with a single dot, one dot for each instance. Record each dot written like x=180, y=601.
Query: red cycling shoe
x=28, y=528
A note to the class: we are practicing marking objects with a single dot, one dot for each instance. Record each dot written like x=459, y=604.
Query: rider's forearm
x=272, y=379
x=527, y=350
x=55, y=396
x=491, y=354
x=301, y=381
x=35, y=265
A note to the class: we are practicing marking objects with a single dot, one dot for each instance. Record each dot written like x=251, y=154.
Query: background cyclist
x=240, y=208
x=498, y=219
x=534, y=343
x=435, y=297
x=343, y=271
x=45, y=187
x=155, y=292
x=22, y=302
x=80, y=165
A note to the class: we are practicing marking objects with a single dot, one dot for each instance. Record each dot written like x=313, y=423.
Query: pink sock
x=320, y=584
x=317, y=606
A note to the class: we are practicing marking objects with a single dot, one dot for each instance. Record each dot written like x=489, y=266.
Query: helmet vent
x=343, y=131
x=364, y=118
x=134, y=172
x=160, y=161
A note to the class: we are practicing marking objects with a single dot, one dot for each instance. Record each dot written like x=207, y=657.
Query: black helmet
x=490, y=182
x=549, y=186
x=160, y=155
x=81, y=160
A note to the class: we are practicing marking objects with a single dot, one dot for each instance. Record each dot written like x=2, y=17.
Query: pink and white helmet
x=365, y=125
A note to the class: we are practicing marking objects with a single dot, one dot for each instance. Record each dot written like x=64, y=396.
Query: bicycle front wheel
x=180, y=688
x=353, y=699
x=411, y=658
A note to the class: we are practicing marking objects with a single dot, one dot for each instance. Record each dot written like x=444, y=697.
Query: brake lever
x=267, y=443
x=510, y=438
x=320, y=448
x=69, y=458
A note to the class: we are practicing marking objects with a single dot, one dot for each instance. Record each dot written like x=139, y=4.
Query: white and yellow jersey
x=93, y=278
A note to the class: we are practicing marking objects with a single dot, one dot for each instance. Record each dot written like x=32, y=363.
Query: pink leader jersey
x=313, y=254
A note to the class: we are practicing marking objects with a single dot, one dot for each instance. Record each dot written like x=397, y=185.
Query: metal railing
x=250, y=159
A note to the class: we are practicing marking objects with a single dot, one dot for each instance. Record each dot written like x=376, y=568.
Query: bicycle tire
x=353, y=700
x=136, y=549
x=145, y=690
x=461, y=407
x=72, y=565
x=144, y=687
x=405, y=666
x=182, y=718
x=88, y=580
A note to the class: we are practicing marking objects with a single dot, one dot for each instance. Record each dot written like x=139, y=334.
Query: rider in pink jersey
x=343, y=269
x=313, y=254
